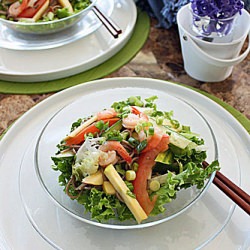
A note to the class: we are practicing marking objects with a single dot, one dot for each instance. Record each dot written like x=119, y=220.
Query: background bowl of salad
x=64, y=168
x=42, y=16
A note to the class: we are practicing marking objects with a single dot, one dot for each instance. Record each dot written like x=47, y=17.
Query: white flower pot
x=209, y=61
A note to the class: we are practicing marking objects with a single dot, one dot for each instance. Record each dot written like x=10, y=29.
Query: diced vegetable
x=154, y=185
x=161, y=179
x=130, y=175
x=94, y=179
x=123, y=190
x=108, y=188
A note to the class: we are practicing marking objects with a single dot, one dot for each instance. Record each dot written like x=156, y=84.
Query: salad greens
x=143, y=154
x=40, y=10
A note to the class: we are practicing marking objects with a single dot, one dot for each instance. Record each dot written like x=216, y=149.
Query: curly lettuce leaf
x=104, y=207
x=193, y=175
x=64, y=165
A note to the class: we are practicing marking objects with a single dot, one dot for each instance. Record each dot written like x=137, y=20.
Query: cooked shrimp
x=115, y=145
x=143, y=136
x=107, y=158
x=107, y=113
x=133, y=119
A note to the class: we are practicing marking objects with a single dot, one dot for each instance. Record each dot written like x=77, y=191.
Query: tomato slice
x=153, y=142
x=31, y=11
x=146, y=162
x=16, y=8
x=79, y=138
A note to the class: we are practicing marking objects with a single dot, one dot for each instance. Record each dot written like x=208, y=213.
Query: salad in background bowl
x=42, y=16
x=127, y=165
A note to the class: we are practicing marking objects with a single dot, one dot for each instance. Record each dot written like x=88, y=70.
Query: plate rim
x=74, y=91
x=76, y=68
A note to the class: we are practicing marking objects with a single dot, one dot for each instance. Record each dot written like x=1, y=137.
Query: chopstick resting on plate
x=235, y=193
x=113, y=29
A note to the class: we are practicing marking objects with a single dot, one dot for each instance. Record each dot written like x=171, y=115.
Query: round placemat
x=137, y=40
x=242, y=119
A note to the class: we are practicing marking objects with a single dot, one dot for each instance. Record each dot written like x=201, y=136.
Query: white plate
x=234, y=143
x=75, y=57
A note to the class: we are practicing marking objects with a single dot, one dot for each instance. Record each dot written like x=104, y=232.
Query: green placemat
x=135, y=43
x=234, y=112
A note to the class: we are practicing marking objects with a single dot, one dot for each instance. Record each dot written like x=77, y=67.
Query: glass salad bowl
x=59, y=126
x=29, y=25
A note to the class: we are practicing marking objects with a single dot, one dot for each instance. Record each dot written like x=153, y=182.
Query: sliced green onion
x=132, y=141
x=135, y=166
x=130, y=175
x=151, y=130
x=151, y=99
x=154, y=185
x=135, y=100
x=100, y=125
x=175, y=123
x=141, y=146
x=159, y=120
x=186, y=128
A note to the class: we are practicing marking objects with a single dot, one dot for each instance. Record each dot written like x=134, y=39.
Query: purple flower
x=216, y=9
x=165, y=10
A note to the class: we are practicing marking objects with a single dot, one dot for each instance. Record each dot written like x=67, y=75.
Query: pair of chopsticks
x=235, y=193
x=113, y=29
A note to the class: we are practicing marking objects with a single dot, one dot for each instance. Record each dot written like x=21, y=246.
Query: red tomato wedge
x=146, y=162
x=115, y=145
x=31, y=11
x=153, y=142
x=79, y=138
x=16, y=8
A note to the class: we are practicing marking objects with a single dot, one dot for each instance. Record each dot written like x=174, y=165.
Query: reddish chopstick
x=235, y=193
x=113, y=29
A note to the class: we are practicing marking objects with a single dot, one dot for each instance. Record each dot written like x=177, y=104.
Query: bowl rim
x=146, y=224
x=8, y=22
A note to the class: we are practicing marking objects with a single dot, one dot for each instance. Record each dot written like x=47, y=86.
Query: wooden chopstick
x=113, y=29
x=235, y=193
